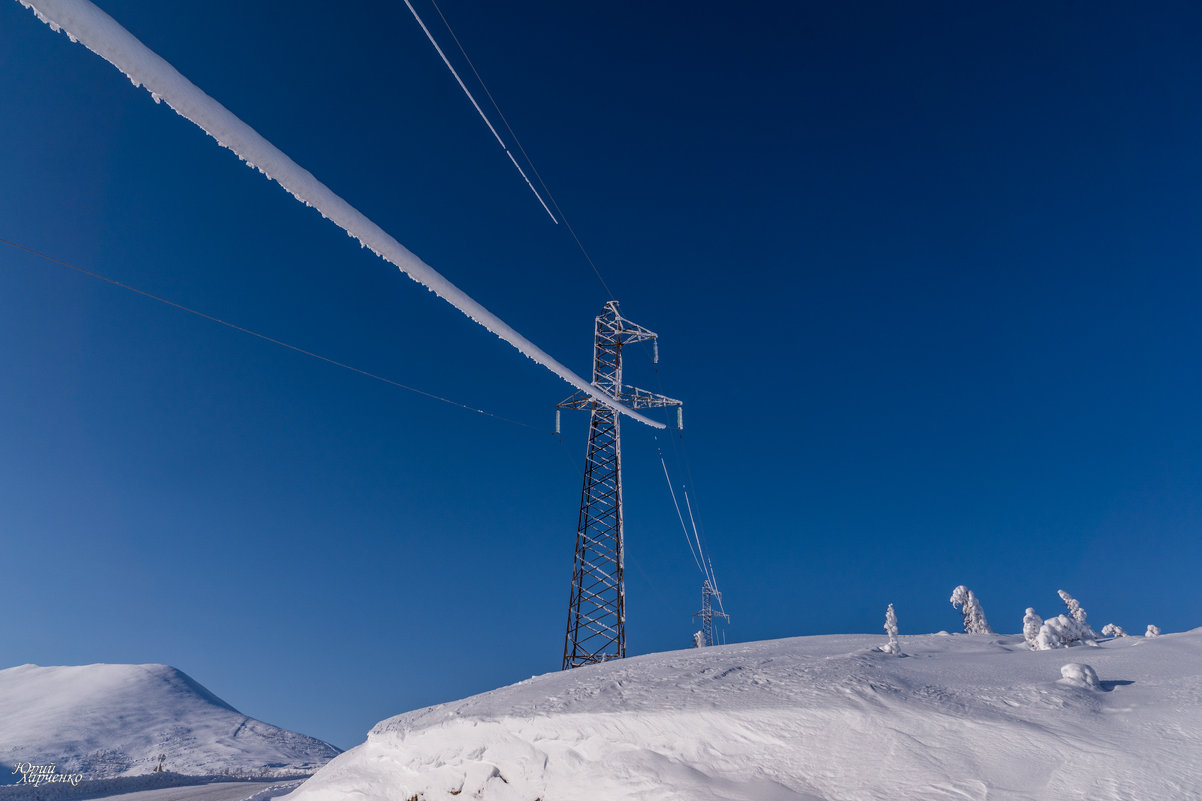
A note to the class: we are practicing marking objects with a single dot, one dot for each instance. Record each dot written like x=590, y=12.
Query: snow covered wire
x=704, y=561
x=679, y=516
x=970, y=607
x=529, y=161
x=483, y=116
x=100, y=33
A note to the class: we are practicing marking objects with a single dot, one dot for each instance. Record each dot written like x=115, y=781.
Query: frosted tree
x=1153, y=631
x=893, y=646
x=974, y=616
x=698, y=640
x=1074, y=609
x=1061, y=632
x=1031, y=625
x=1111, y=630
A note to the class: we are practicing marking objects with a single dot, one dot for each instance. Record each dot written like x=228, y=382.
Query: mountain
x=115, y=720
x=810, y=719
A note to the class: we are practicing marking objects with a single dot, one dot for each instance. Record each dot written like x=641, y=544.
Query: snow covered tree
x=1074, y=609
x=1111, y=630
x=893, y=646
x=1031, y=625
x=698, y=640
x=974, y=616
x=1061, y=632
x=1153, y=631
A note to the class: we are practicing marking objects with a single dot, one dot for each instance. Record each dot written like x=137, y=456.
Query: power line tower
x=597, y=609
x=707, y=613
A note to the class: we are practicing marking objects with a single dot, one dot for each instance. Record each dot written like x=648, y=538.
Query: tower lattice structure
x=707, y=613
x=597, y=608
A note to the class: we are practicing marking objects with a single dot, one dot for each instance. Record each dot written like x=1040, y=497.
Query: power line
x=483, y=116
x=264, y=337
x=679, y=516
x=516, y=141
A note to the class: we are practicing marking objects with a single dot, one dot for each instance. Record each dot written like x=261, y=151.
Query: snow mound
x=1080, y=676
x=805, y=719
x=115, y=720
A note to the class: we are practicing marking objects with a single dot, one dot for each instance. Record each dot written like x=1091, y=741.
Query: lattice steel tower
x=707, y=613
x=597, y=609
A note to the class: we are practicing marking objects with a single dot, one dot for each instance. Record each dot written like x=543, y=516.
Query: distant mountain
x=966, y=716
x=115, y=720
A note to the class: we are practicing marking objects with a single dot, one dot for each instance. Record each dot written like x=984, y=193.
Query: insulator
x=557, y=421
x=679, y=418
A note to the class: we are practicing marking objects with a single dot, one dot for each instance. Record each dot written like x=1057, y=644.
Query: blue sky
x=925, y=278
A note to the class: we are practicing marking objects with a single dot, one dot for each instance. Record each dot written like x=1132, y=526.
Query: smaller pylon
x=707, y=613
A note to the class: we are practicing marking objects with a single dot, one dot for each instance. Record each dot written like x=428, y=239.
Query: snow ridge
x=808, y=719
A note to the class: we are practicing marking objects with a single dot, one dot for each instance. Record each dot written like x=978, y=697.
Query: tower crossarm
x=642, y=399
x=638, y=398
x=623, y=329
x=633, y=396
x=578, y=400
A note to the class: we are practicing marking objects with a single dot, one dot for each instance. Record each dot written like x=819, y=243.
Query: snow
x=223, y=791
x=114, y=720
x=148, y=788
x=1032, y=623
x=893, y=646
x=974, y=614
x=1063, y=631
x=100, y=33
x=1074, y=608
x=1080, y=676
x=830, y=717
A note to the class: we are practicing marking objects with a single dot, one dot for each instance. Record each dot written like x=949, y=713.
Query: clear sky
x=926, y=277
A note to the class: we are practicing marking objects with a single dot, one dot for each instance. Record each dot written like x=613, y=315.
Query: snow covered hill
x=114, y=720
x=958, y=717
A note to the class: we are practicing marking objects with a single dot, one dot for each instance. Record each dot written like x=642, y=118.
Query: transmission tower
x=707, y=613
x=597, y=609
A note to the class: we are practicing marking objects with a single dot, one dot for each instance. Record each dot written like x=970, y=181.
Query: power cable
x=680, y=517
x=483, y=116
x=516, y=141
x=264, y=337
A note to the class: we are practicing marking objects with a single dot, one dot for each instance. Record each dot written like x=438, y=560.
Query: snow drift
x=961, y=717
x=115, y=720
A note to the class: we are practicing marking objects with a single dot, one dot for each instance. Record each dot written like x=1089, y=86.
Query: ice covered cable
x=100, y=33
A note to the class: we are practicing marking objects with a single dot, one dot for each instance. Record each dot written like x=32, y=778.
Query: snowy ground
x=153, y=787
x=958, y=717
x=115, y=720
x=227, y=791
